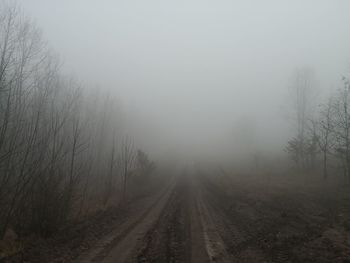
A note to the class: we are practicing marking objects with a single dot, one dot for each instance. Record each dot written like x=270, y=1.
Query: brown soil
x=279, y=225
x=202, y=217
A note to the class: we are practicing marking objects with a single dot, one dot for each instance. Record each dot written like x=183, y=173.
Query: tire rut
x=121, y=241
x=168, y=240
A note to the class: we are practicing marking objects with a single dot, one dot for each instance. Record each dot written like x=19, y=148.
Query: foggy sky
x=189, y=71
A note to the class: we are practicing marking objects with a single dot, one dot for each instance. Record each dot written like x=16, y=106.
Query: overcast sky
x=195, y=68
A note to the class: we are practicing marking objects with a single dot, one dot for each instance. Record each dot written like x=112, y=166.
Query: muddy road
x=174, y=226
x=169, y=228
x=200, y=218
x=203, y=218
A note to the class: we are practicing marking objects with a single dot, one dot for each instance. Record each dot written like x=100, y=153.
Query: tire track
x=168, y=240
x=120, y=243
x=214, y=244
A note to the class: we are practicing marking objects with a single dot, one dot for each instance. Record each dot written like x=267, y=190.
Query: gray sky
x=197, y=67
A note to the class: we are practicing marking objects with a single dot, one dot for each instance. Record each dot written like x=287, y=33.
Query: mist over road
x=174, y=131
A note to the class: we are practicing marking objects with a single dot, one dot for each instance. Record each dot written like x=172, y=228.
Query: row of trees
x=60, y=145
x=323, y=135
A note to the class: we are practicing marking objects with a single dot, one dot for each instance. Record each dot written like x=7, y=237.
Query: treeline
x=60, y=145
x=323, y=131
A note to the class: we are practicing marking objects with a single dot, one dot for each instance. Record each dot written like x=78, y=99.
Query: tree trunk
x=325, y=170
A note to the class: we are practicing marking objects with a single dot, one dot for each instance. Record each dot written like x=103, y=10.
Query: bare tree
x=323, y=129
x=127, y=157
x=342, y=124
x=302, y=92
x=53, y=138
x=110, y=180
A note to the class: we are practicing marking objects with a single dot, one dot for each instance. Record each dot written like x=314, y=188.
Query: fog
x=188, y=73
x=174, y=131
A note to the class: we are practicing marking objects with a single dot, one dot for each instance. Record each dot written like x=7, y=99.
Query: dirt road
x=174, y=227
x=198, y=220
x=202, y=218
